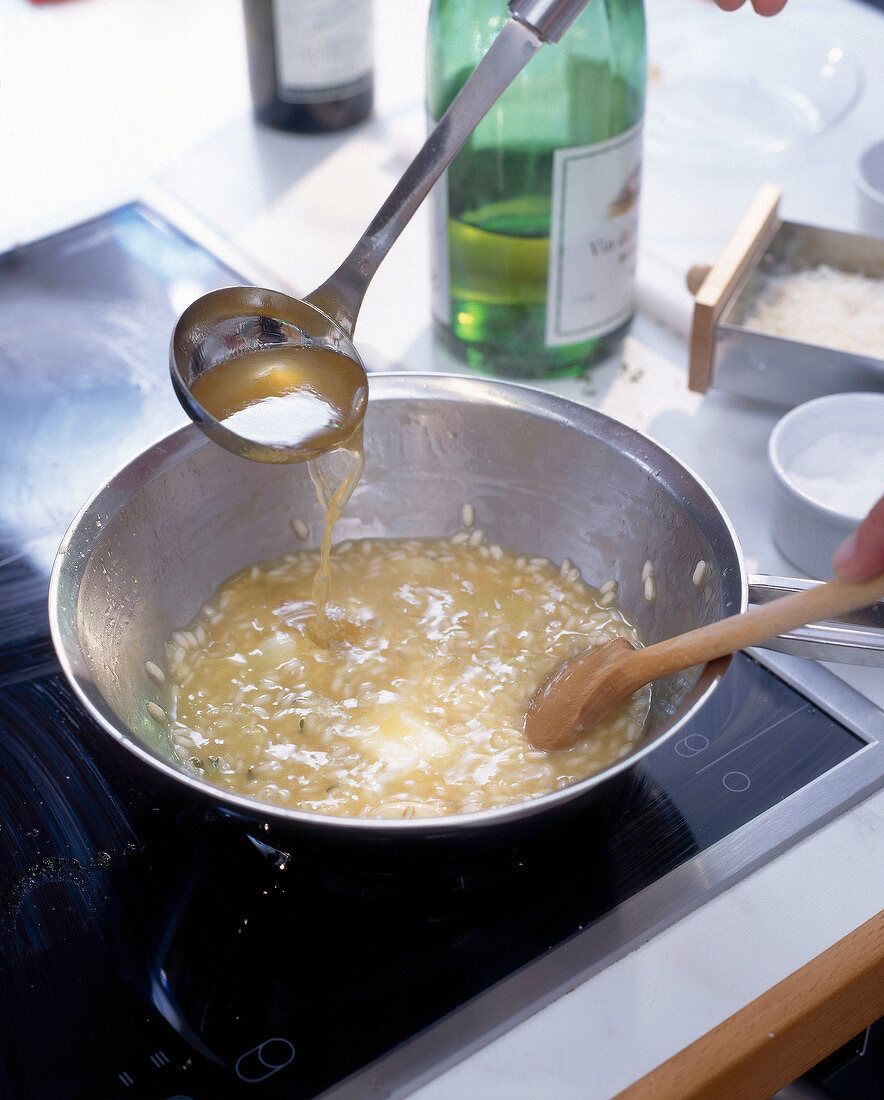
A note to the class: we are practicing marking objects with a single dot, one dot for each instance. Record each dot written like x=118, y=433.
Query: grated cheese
x=824, y=306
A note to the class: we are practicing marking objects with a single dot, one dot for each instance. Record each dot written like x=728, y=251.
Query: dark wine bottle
x=310, y=62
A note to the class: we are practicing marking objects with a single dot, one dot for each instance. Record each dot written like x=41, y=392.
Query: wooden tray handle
x=713, y=289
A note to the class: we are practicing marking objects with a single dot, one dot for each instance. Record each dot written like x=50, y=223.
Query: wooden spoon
x=584, y=689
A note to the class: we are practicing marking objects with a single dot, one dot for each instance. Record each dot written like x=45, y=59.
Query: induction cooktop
x=152, y=947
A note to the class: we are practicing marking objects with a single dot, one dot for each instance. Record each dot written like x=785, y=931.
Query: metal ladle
x=230, y=323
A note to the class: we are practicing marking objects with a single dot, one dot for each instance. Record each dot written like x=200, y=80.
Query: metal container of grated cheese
x=728, y=353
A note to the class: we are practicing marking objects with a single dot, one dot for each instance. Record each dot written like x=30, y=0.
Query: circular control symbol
x=692, y=744
x=264, y=1060
x=736, y=781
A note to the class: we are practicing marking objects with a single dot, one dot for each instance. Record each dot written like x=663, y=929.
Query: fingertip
x=767, y=8
x=843, y=562
x=861, y=555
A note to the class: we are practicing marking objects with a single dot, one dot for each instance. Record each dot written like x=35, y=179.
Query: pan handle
x=854, y=639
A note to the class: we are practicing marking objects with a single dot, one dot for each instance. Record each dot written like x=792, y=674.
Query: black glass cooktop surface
x=152, y=947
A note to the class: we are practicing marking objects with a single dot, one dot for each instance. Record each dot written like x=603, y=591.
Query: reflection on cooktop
x=84, y=343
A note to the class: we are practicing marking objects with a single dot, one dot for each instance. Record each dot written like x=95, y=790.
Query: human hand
x=861, y=555
x=763, y=7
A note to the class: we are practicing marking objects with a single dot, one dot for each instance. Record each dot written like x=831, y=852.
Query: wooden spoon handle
x=758, y=624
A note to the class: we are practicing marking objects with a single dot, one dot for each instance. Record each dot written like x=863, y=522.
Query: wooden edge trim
x=784, y=1032
x=741, y=251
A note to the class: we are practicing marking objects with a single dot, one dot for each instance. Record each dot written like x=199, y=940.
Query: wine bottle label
x=593, y=238
x=320, y=45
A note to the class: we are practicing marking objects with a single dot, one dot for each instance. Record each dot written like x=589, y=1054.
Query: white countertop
x=106, y=100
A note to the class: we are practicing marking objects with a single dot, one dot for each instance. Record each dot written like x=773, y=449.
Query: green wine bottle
x=535, y=223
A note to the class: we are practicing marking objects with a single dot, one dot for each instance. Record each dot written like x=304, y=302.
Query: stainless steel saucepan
x=545, y=477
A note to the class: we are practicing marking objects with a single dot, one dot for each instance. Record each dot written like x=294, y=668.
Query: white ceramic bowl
x=828, y=460
x=868, y=176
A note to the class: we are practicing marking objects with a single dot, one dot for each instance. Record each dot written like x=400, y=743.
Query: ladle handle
x=533, y=22
x=753, y=627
